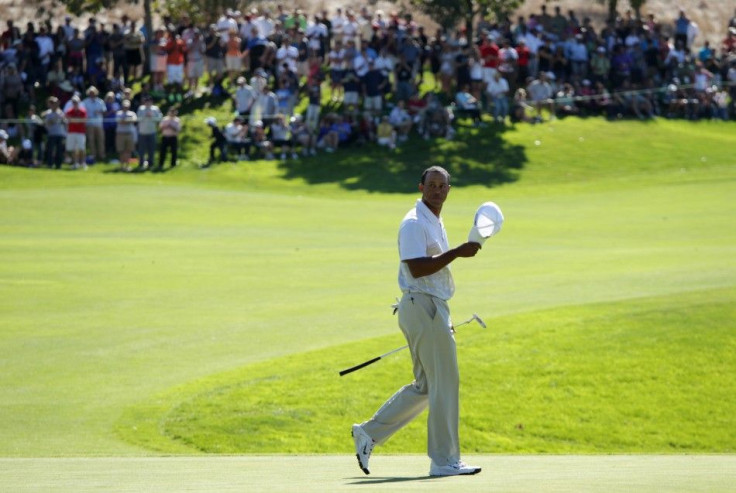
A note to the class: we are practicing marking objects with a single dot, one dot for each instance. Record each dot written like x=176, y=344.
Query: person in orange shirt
x=233, y=55
x=175, y=60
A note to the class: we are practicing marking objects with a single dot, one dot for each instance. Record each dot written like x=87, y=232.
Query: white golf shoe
x=459, y=468
x=363, y=447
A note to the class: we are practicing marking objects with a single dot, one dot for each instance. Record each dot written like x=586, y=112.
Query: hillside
x=710, y=16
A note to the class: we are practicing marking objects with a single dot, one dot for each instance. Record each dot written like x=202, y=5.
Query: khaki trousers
x=425, y=322
x=96, y=142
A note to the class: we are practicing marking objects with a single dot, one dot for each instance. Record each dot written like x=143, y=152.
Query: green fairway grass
x=209, y=310
x=320, y=473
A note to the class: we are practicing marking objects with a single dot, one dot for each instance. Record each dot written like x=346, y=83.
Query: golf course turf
x=208, y=311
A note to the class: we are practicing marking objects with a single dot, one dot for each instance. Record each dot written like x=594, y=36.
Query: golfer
x=424, y=318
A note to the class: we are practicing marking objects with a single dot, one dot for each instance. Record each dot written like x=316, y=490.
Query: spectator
x=508, y=62
x=219, y=141
x=55, y=124
x=682, y=26
x=45, y=47
x=565, y=101
x=96, y=110
x=35, y=131
x=260, y=140
x=401, y=121
x=109, y=124
x=175, y=48
x=148, y=117
x=170, y=126
x=214, y=53
x=374, y=83
x=498, y=92
x=158, y=60
x=467, y=104
x=489, y=53
x=125, y=134
x=244, y=98
x=302, y=136
x=11, y=92
x=437, y=121
x=133, y=42
x=238, y=138
x=314, y=97
x=117, y=48
x=728, y=45
x=76, y=137
x=386, y=134
x=540, y=93
x=281, y=137
x=195, y=49
x=336, y=64
x=520, y=109
x=265, y=107
x=8, y=154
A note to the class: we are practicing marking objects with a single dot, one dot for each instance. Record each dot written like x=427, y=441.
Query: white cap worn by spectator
x=211, y=121
x=3, y=135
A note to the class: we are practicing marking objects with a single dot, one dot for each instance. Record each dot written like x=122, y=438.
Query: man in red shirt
x=76, y=136
x=175, y=60
x=489, y=54
x=524, y=55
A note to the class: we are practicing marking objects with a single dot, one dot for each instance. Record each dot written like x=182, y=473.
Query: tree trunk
x=148, y=22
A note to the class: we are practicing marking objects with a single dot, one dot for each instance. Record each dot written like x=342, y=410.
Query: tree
x=448, y=13
x=613, y=6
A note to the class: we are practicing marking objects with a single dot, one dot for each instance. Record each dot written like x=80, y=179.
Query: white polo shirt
x=422, y=234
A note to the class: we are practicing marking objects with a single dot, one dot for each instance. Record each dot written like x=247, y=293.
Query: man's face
x=434, y=190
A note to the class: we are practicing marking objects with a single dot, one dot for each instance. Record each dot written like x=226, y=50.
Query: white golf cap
x=487, y=222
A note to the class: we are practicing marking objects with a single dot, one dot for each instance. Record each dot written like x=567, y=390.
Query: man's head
x=435, y=185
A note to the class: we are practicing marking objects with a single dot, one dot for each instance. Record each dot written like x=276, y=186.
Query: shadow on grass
x=387, y=480
x=476, y=156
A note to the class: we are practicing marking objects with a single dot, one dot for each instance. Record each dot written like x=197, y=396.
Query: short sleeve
x=412, y=240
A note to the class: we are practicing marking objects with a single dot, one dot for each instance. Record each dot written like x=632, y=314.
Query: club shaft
x=371, y=361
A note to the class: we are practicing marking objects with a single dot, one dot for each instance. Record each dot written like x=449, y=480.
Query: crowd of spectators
x=66, y=97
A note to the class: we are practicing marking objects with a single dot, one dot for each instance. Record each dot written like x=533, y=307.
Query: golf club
x=377, y=358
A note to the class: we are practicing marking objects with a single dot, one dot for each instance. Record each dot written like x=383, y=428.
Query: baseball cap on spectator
x=241, y=80
x=125, y=103
x=211, y=121
x=92, y=91
x=601, y=49
x=75, y=99
x=3, y=135
x=27, y=145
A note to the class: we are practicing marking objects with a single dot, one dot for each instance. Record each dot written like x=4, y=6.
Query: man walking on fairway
x=424, y=318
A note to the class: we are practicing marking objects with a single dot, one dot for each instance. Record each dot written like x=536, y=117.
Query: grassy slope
x=116, y=289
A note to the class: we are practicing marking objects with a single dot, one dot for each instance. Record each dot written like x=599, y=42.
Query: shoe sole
x=357, y=456
x=473, y=473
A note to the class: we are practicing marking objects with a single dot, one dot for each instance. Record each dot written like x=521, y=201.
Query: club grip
x=358, y=367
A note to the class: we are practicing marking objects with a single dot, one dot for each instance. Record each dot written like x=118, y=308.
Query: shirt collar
x=423, y=210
